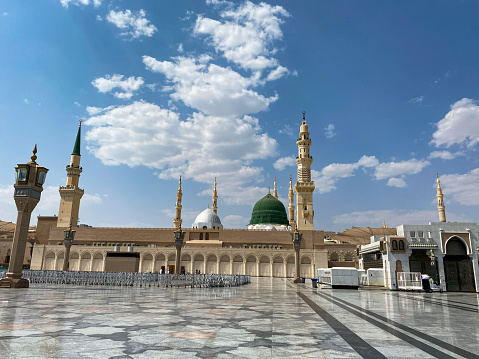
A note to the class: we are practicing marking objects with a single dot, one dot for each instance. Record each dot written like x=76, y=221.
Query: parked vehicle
x=429, y=285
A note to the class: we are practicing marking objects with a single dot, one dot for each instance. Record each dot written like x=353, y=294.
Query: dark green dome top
x=269, y=210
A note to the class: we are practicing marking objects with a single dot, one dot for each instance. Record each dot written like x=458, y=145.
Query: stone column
x=178, y=260
x=66, y=258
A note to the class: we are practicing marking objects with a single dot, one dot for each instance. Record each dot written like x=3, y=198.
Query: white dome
x=208, y=219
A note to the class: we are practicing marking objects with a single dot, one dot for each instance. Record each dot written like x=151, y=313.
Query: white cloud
x=77, y=104
x=459, y=126
x=393, y=218
x=397, y=182
x=128, y=86
x=204, y=147
x=8, y=210
x=66, y=3
x=461, y=188
x=235, y=221
x=326, y=179
x=135, y=25
x=26, y=101
x=445, y=155
x=5, y=13
x=329, y=131
x=245, y=35
x=214, y=90
x=287, y=130
x=284, y=162
x=403, y=168
x=416, y=99
x=180, y=48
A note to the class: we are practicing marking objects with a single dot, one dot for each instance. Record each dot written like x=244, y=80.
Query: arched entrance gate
x=458, y=267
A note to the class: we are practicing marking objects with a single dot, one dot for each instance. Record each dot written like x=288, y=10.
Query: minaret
x=292, y=222
x=275, y=192
x=304, y=187
x=215, y=200
x=440, y=202
x=71, y=193
x=177, y=221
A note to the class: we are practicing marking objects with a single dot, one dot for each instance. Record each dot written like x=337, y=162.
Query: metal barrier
x=133, y=279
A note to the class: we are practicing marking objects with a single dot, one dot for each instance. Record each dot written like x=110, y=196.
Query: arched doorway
x=290, y=267
x=306, y=267
x=186, y=262
x=147, y=262
x=278, y=266
x=211, y=264
x=251, y=266
x=74, y=261
x=97, y=263
x=59, y=262
x=85, y=262
x=238, y=265
x=171, y=263
x=225, y=264
x=264, y=267
x=49, y=261
x=458, y=267
x=159, y=264
x=199, y=263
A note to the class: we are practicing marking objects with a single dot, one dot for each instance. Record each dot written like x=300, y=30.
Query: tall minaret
x=440, y=201
x=275, y=192
x=214, y=207
x=71, y=193
x=292, y=222
x=304, y=186
x=177, y=221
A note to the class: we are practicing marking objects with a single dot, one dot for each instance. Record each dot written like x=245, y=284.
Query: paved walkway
x=267, y=318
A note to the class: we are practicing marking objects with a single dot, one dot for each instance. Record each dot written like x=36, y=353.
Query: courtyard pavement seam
x=369, y=316
x=356, y=342
x=437, y=301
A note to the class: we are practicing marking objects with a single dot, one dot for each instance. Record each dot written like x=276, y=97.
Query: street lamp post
x=179, y=235
x=296, y=237
x=29, y=180
x=68, y=241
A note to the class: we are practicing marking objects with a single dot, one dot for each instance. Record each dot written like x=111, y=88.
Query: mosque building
x=265, y=248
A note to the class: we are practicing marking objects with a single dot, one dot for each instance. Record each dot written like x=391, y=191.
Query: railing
x=133, y=279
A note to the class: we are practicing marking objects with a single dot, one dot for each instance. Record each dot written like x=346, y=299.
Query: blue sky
x=204, y=89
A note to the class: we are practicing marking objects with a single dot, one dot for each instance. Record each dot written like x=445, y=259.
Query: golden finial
x=384, y=225
x=269, y=192
x=179, y=186
x=215, y=182
x=304, y=115
x=80, y=122
x=34, y=156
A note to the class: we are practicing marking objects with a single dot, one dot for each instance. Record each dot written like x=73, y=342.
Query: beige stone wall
x=164, y=237
x=252, y=261
x=44, y=224
x=6, y=249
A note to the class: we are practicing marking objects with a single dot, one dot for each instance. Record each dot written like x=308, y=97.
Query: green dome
x=269, y=210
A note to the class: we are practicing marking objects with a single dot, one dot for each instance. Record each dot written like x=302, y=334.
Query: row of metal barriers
x=133, y=279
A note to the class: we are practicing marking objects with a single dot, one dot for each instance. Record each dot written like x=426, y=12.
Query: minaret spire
x=440, y=201
x=275, y=192
x=304, y=187
x=71, y=193
x=292, y=222
x=179, y=195
x=215, y=200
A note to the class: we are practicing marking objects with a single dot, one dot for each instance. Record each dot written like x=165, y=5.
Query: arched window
x=207, y=236
x=395, y=245
x=201, y=236
x=401, y=245
x=204, y=227
x=334, y=257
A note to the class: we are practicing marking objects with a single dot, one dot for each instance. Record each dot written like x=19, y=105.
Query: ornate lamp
x=29, y=180
x=432, y=256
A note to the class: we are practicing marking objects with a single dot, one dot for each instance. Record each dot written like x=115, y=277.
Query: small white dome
x=208, y=219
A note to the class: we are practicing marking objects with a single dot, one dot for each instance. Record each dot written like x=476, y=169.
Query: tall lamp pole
x=296, y=236
x=179, y=235
x=68, y=241
x=29, y=180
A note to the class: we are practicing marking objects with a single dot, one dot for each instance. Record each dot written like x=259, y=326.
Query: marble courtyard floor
x=269, y=318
